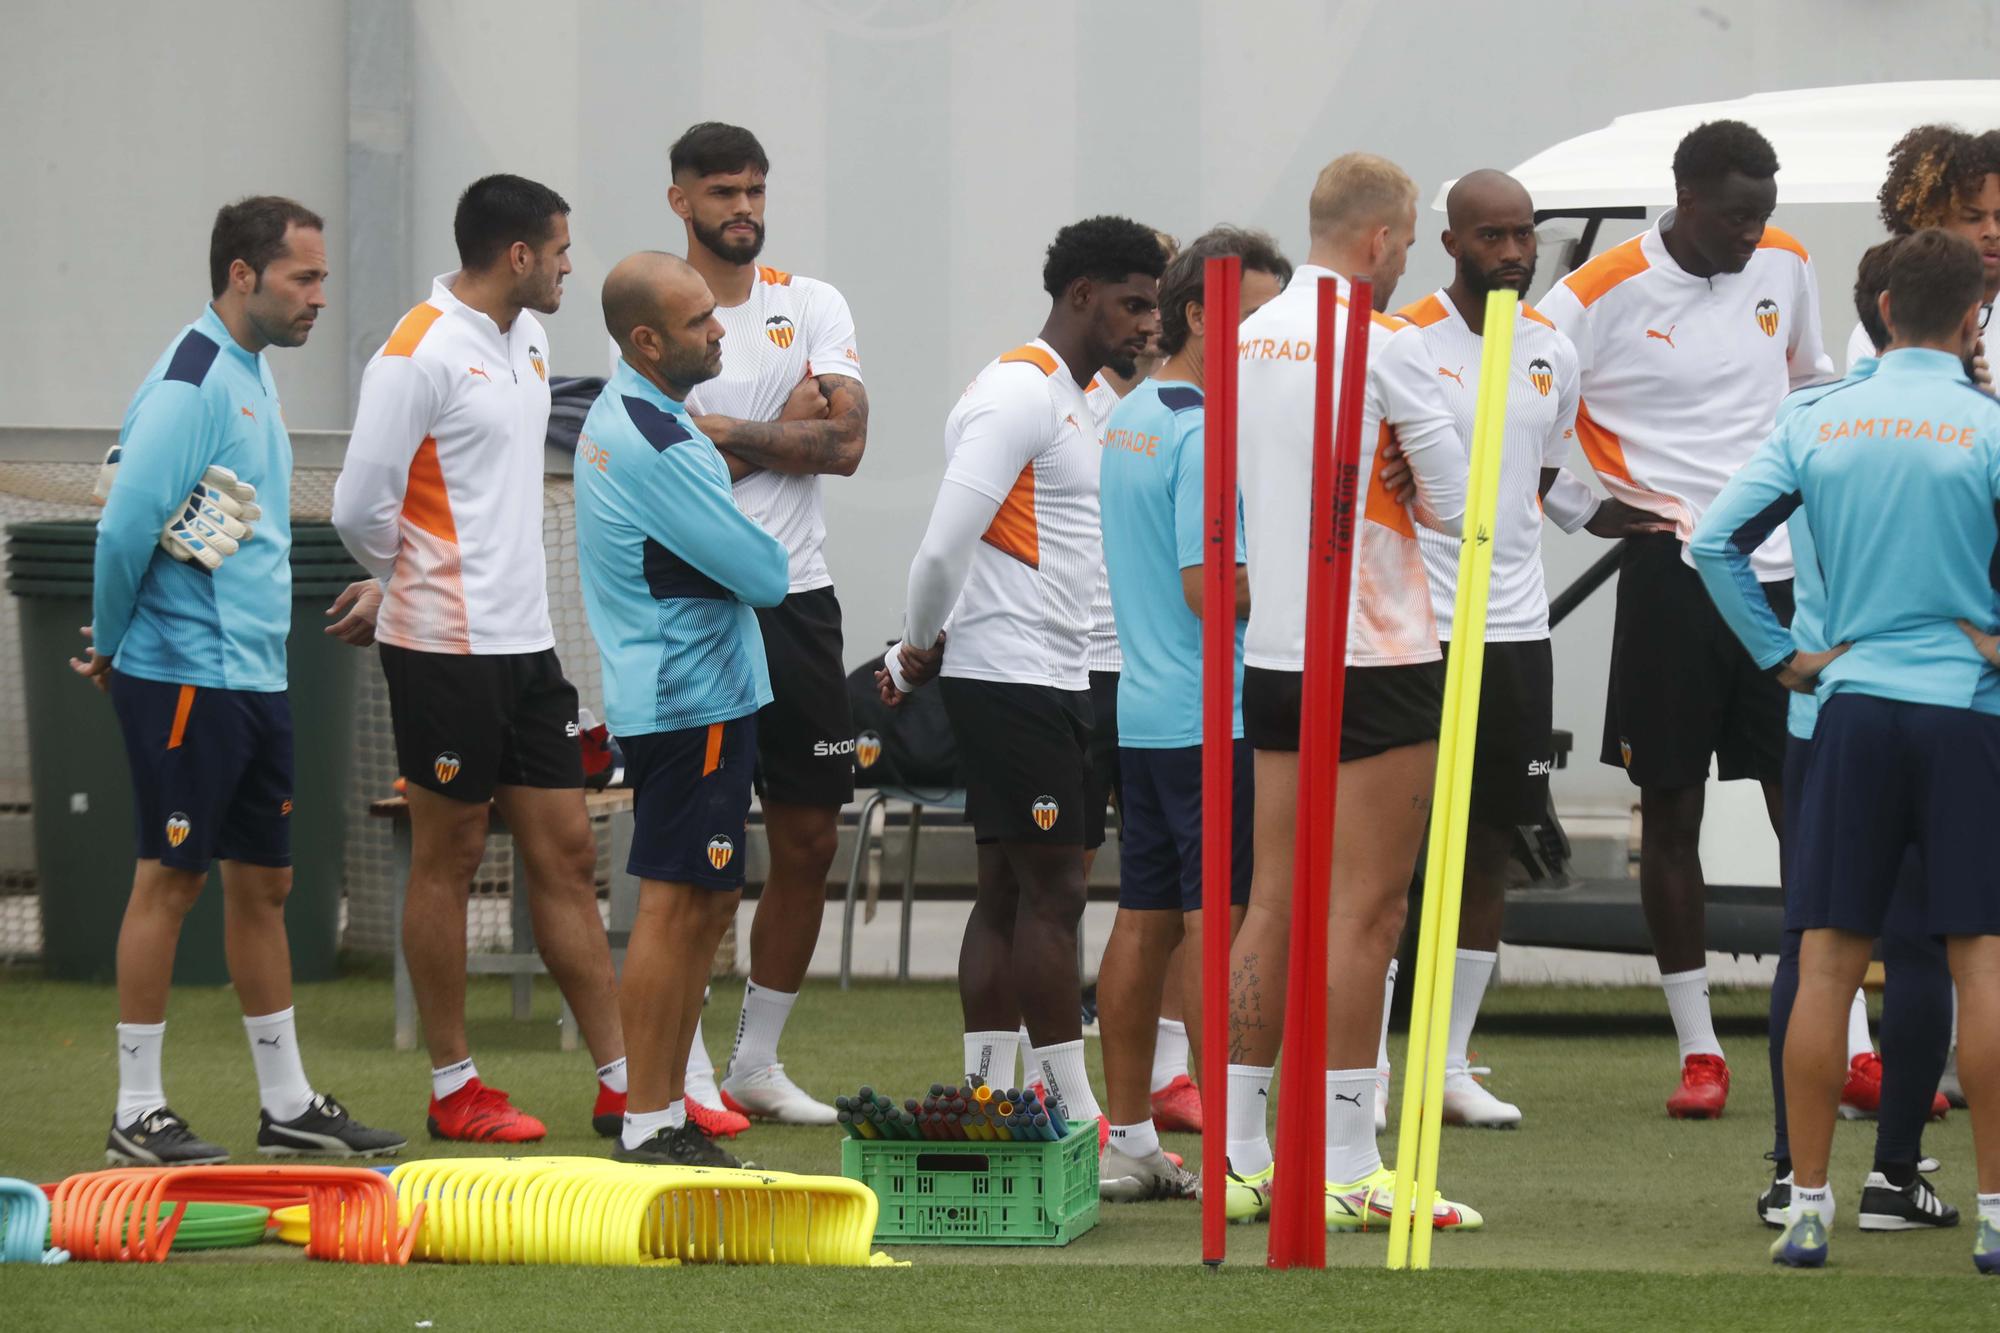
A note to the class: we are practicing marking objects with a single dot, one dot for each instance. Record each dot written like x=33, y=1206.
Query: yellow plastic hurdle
x=585, y=1210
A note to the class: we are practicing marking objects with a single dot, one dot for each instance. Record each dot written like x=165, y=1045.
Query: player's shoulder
x=1602, y=274
x=660, y=429
x=421, y=334
x=1023, y=378
x=1780, y=246
x=190, y=359
x=1427, y=313
x=1538, y=329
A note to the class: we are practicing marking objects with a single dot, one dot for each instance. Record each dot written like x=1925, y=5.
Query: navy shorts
x=690, y=802
x=1159, y=812
x=1885, y=775
x=211, y=772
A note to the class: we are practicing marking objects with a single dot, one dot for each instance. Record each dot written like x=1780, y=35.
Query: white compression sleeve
x=944, y=558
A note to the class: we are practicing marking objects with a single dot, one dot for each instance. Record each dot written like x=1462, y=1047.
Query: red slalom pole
x=1298, y=1215
x=1222, y=279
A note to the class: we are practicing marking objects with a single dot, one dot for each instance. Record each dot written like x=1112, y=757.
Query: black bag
x=910, y=745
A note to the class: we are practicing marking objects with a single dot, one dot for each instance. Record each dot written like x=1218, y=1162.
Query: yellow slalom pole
x=1422, y=1119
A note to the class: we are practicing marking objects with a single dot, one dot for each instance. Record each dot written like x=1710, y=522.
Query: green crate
x=948, y=1192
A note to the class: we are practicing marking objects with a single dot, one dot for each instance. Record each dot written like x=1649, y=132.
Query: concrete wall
x=923, y=153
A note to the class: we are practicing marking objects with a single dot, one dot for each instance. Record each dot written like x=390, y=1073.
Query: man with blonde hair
x=1363, y=219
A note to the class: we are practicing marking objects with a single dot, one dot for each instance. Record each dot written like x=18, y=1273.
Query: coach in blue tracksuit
x=1899, y=475
x=190, y=609
x=671, y=569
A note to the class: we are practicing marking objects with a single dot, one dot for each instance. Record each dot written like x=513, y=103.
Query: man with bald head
x=1490, y=236
x=671, y=571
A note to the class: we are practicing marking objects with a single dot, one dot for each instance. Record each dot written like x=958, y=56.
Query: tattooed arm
x=830, y=442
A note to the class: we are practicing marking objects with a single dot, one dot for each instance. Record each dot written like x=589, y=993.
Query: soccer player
x=1490, y=236
x=1151, y=496
x=1687, y=337
x=192, y=652
x=440, y=497
x=1916, y=994
x=1363, y=218
x=671, y=569
x=1010, y=556
x=788, y=408
x=1899, y=474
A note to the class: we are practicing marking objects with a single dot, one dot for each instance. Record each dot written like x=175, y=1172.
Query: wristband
x=892, y=661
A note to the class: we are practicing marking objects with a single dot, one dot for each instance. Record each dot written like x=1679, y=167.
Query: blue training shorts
x=691, y=802
x=1159, y=840
x=211, y=772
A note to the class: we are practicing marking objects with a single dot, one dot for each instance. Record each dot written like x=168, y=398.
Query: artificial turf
x=1600, y=1210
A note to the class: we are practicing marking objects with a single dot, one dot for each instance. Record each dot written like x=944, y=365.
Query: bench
x=522, y=963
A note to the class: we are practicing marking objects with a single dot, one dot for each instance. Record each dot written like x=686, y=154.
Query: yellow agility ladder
x=585, y=1210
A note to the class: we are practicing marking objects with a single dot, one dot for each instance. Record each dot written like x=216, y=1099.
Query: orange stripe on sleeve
x=711, y=759
x=1013, y=530
x=1605, y=451
x=1774, y=239
x=1424, y=313
x=182, y=708
x=1381, y=507
x=1034, y=356
x=776, y=277
x=425, y=502
x=1529, y=312
x=410, y=330
x=1609, y=269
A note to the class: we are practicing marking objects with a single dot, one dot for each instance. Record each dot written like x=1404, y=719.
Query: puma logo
x=267, y=1041
x=479, y=371
x=1355, y=1098
x=247, y=412
x=1458, y=375
x=1667, y=337
x=129, y=1050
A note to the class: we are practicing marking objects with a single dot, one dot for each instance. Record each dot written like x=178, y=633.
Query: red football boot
x=1704, y=1089
x=608, y=1116
x=1861, y=1095
x=1177, y=1107
x=479, y=1114
x=718, y=1122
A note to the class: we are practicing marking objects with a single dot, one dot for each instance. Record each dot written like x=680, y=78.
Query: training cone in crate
x=586, y=1210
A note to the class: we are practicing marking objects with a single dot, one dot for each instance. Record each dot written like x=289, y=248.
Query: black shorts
x=468, y=723
x=1682, y=687
x=1883, y=775
x=1385, y=708
x=1515, y=751
x=691, y=802
x=1025, y=753
x=211, y=772
x=805, y=735
x=1160, y=833
x=1104, y=767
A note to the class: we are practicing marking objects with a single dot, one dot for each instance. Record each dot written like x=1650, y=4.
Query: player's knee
x=265, y=890
x=164, y=889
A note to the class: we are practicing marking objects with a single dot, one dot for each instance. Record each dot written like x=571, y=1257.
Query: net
x=61, y=490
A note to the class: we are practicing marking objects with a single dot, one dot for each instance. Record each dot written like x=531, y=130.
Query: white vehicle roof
x=1832, y=143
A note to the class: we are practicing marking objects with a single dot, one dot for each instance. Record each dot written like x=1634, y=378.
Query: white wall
x=924, y=151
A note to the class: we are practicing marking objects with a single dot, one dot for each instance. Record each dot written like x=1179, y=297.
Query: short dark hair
x=1716, y=148
x=253, y=230
x=1106, y=248
x=1871, y=279
x=1934, y=277
x=1932, y=170
x=1186, y=278
x=496, y=211
x=713, y=148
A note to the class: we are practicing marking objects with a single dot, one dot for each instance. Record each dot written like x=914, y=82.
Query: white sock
x=1687, y=1001
x=139, y=1090
x=1170, y=1053
x=1248, y=1130
x=989, y=1057
x=1858, y=1042
x=1468, y=989
x=451, y=1078
x=1140, y=1140
x=1031, y=1073
x=1989, y=1208
x=612, y=1075
x=642, y=1125
x=700, y=1083
x=281, y=1072
x=759, y=1026
x=1819, y=1201
x=1067, y=1081
x=1388, y=997
x=1350, y=1125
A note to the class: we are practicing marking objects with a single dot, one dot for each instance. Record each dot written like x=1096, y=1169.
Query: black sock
x=1899, y=1174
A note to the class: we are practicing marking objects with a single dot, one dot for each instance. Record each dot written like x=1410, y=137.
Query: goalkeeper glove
x=214, y=521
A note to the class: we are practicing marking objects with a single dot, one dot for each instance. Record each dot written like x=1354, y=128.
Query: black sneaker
x=1914, y=1207
x=684, y=1145
x=159, y=1138
x=325, y=1129
x=1776, y=1202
